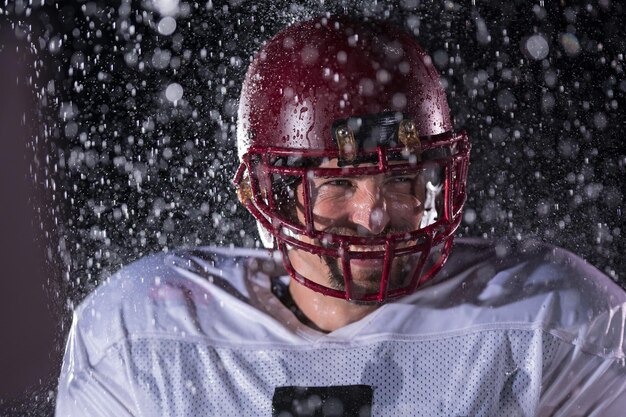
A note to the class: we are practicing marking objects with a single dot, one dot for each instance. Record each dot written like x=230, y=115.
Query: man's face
x=369, y=206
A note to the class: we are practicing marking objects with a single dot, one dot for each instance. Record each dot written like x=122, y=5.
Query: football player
x=363, y=307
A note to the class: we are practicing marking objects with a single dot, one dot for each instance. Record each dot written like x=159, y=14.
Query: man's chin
x=366, y=275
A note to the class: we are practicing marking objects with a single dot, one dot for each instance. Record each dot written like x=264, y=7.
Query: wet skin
x=372, y=205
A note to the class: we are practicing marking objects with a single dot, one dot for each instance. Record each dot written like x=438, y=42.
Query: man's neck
x=327, y=313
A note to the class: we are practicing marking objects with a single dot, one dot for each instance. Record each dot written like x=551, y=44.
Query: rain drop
x=537, y=47
x=167, y=26
x=174, y=92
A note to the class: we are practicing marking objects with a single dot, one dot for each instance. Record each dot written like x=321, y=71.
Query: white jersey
x=535, y=332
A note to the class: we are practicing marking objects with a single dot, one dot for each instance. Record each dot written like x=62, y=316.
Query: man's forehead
x=334, y=163
x=329, y=163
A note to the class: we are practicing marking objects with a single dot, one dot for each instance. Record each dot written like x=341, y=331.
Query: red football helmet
x=334, y=101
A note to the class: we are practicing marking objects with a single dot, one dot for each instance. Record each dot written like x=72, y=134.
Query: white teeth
x=367, y=249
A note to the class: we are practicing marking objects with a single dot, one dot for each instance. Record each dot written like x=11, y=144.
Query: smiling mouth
x=369, y=263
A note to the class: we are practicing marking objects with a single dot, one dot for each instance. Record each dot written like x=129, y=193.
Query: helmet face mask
x=306, y=206
x=365, y=208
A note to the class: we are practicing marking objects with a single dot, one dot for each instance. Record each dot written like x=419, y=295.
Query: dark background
x=100, y=167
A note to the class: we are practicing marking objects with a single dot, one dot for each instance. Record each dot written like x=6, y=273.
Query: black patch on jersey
x=334, y=401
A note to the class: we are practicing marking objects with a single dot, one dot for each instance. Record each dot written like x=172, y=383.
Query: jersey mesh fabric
x=536, y=333
x=409, y=377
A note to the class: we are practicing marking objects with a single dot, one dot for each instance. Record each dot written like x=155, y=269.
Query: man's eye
x=337, y=183
x=405, y=179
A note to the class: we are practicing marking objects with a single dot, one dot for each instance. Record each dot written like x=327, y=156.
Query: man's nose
x=369, y=209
